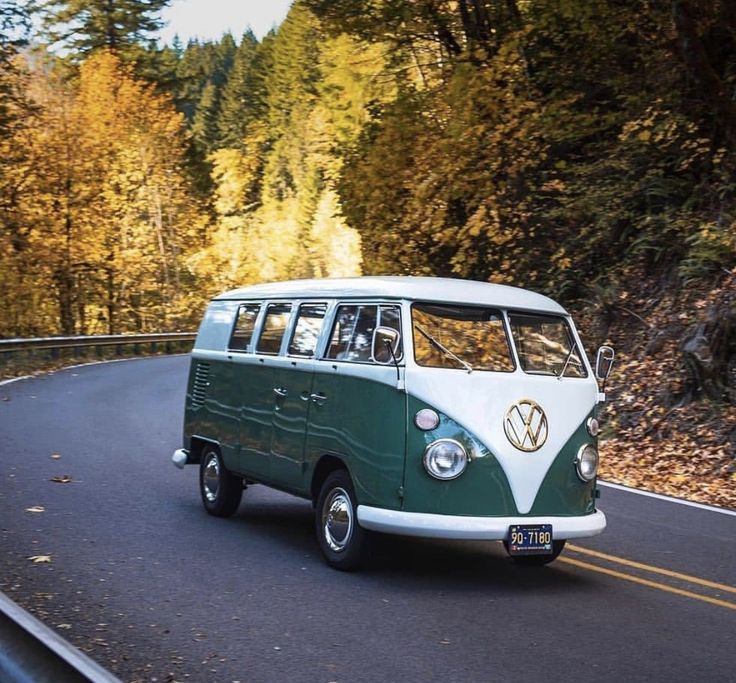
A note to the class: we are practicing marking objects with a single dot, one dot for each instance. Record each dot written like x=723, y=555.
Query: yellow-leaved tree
x=147, y=223
x=103, y=220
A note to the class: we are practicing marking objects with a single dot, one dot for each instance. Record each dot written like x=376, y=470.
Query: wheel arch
x=197, y=445
x=327, y=464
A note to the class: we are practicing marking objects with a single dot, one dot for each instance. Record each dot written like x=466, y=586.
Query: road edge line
x=670, y=499
x=84, y=365
x=15, y=379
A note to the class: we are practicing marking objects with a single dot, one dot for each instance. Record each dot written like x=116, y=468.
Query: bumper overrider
x=180, y=458
x=472, y=528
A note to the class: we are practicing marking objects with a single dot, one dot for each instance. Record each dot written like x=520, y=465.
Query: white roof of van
x=447, y=290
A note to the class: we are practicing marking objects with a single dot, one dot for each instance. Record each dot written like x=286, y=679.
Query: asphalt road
x=156, y=590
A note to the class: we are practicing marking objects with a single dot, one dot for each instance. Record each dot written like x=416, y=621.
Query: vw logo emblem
x=525, y=425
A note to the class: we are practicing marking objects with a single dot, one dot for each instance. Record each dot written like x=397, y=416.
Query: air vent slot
x=201, y=384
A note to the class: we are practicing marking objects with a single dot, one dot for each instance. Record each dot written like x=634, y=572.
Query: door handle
x=280, y=392
x=319, y=399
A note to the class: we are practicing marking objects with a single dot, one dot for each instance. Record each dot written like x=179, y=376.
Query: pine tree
x=204, y=124
x=82, y=26
x=241, y=103
x=14, y=26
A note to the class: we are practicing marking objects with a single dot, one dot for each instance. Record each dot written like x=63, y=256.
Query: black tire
x=220, y=489
x=537, y=560
x=341, y=539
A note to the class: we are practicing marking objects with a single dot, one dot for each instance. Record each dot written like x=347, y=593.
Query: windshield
x=462, y=337
x=474, y=338
x=545, y=345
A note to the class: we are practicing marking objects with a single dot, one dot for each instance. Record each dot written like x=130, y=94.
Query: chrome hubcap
x=211, y=477
x=337, y=519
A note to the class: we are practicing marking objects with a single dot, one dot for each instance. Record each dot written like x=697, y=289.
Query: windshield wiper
x=443, y=348
x=569, y=356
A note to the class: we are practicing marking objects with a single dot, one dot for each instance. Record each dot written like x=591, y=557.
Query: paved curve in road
x=154, y=589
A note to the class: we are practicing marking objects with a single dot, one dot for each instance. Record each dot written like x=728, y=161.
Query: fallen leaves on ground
x=40, y=559
x=658, y=433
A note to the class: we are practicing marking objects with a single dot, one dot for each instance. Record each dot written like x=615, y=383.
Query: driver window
x=352, y=333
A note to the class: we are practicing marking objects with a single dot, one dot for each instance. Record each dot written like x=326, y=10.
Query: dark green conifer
x=81, y=26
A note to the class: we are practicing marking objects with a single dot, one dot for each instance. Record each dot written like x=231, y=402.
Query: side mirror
x=385, y=340
x=604, y=362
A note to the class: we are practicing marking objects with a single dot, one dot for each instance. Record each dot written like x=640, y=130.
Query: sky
x=209, y=19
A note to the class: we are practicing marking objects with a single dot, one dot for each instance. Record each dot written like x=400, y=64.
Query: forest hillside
x=583, y=149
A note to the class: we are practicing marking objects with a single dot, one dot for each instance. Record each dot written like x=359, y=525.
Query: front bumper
x=472, y=528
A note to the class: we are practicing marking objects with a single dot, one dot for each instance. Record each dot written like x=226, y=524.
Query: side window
x=274, y=326
x=244, y=326
x=307, y=329
x=352, y=334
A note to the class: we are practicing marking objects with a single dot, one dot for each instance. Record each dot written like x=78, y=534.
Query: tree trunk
x=65, y=289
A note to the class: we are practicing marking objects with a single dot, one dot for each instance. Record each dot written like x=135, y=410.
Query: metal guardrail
x=56, y=343
x=21, y=356
x=30, y=652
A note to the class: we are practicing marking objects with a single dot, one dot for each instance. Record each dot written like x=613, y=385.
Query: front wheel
x=537, y=560
x=341, y=539
x=220, y=489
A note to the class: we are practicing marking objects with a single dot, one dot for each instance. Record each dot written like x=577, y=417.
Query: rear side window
x=352, y=334
x=307, y=329
x=274, y=326
x=244, y=326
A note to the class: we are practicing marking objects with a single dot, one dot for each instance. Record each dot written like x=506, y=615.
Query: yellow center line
x=646, y=582
x=652, y=569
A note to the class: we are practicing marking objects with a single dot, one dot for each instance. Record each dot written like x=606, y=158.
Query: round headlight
x=593, y=426
x=445, y=459
x=586, y=463
x=426, y=419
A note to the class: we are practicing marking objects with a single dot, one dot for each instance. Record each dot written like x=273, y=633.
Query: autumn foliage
x=586, y=150
x=101, y=215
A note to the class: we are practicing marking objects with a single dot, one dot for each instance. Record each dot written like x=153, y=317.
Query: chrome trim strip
x=429, y=525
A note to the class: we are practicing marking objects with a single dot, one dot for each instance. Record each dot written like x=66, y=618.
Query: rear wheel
x=341, y=539
x=220, y=489
x=537, y=560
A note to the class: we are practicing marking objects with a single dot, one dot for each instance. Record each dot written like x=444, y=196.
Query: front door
x=358, y=412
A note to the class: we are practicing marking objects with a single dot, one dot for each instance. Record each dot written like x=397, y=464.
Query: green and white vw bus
x=406, y=405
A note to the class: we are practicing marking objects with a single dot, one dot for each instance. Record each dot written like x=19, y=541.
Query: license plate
x=530, y=539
